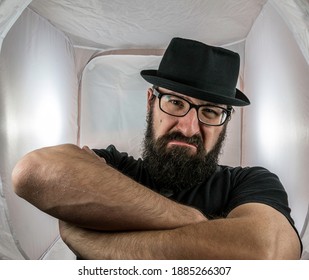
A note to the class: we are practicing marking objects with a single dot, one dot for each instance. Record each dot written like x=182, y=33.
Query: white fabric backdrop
x=305, y=237
x=113, y=106
x=38, y=107
x=276, y=132
x=10, y=10
x=121, y=24
x=35, y=55
x=295, y=15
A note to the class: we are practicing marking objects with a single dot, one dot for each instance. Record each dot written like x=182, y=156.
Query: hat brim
x=151, y=77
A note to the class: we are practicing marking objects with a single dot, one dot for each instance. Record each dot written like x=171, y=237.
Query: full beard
x=176, y=169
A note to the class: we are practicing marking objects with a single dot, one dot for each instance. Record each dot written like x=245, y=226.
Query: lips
x=177, y=140
x=182, y=144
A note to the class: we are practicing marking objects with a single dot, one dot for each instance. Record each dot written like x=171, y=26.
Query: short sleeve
x=257, y=184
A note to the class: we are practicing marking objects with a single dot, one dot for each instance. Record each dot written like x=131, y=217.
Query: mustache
x=195, y=140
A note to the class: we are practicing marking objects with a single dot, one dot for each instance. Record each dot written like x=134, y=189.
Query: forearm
x=198, y=241
x=69, y=184
x=260, y=233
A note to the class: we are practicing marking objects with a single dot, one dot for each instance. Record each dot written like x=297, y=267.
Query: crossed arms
x=106, y=215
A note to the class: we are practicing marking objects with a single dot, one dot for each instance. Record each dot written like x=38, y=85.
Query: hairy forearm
x=72, y=185
x=252, y=236
x=198, y=241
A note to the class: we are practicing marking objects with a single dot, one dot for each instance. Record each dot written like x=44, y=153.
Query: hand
x=65, y=229
x=91, y=152
x=85, y=243
x=69, y=232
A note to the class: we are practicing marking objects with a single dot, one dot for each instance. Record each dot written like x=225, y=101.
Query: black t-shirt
x=226, y=189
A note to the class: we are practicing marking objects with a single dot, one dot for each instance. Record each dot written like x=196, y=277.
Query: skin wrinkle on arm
x=93, y=194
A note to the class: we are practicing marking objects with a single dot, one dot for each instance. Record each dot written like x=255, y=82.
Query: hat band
x=214, y=89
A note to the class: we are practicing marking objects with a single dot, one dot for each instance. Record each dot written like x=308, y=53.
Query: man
x=176, y=203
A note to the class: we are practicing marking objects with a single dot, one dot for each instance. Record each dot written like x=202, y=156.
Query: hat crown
x=198, y=70
x=201, y=66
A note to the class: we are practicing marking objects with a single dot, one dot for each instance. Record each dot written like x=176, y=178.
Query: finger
x=91, y=152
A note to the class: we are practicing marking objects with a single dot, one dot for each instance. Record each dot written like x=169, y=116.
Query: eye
x=174, y=101
x=211, y=112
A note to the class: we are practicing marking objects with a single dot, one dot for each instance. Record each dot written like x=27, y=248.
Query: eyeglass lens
x=208, y=114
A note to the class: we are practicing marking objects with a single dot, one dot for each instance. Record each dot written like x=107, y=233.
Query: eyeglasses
x=176, y=106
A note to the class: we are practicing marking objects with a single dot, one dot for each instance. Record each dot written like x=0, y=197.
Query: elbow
x=35, y=167
x=22, y=175
x=284, y=245
x=266, y=253
x=274, y=253
x=35, y=176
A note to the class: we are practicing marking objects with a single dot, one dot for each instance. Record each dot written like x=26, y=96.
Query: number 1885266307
x=196, y=270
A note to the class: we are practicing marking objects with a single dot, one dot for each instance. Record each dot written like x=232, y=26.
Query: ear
x=149, y=97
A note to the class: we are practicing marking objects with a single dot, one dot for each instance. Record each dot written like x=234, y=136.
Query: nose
x=189, y=125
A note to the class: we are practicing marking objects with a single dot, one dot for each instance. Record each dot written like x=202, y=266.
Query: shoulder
x=246, y=184
x=256, y=184
x=248, y=175
x=253, y=180
x=114, y=157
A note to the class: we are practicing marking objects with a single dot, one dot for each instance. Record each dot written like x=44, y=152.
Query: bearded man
x=176, y=202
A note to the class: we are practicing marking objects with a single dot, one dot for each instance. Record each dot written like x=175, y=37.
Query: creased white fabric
x=113, y=106
x=119, y=24
x=38, y=107
x=305, y=238
x=295, y=14
x=38, y=89
x=10, y=10
x=113, y=102
x=276, y=132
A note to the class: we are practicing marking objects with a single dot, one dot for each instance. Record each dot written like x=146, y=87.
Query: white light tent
x=69, y=73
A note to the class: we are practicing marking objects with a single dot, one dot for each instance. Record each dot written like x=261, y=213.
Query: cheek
x=159, y=127
x=156, y=123
x=210, y=136
x=162, y=124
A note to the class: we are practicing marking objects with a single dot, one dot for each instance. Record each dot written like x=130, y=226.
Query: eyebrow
x=185, y=98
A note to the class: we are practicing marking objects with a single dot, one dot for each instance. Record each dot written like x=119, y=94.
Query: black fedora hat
x=201, y=71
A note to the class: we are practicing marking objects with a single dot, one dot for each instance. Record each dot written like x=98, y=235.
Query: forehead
x=189, y=98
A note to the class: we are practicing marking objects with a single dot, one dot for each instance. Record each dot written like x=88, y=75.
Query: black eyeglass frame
x=228, y=111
